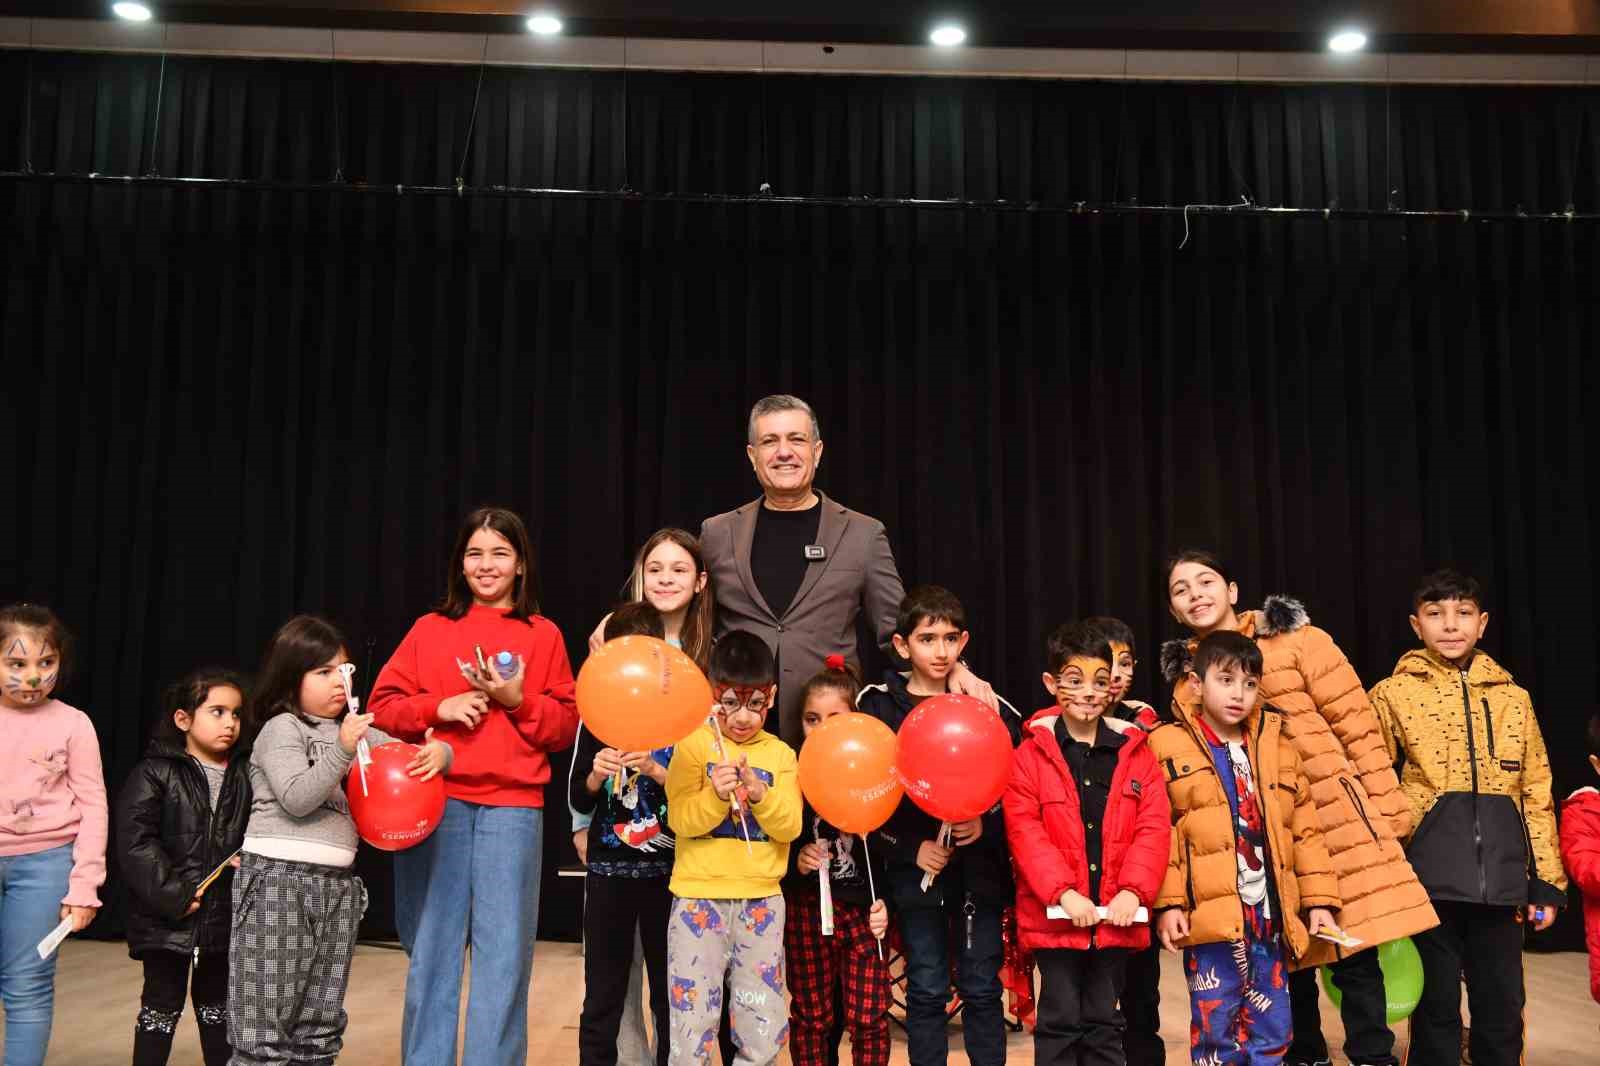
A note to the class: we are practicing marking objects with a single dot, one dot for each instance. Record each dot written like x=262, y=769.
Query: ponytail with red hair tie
x=835, y=663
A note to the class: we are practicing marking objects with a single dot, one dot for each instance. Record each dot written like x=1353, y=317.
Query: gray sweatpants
x=294, y=932
x=633, y=1043
x=734, y=941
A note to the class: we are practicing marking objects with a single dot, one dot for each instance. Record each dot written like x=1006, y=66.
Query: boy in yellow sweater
x=733, y=800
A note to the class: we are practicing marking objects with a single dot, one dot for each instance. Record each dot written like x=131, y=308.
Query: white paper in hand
x=1059, y=914
x=48, y=945
x=826, y=899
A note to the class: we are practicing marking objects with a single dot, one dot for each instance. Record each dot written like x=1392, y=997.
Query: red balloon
x=847, y=772
x=397, y=811
x=955, y=757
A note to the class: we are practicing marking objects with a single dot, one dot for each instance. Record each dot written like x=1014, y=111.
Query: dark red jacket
x=1580, y=853
x=1044, y=824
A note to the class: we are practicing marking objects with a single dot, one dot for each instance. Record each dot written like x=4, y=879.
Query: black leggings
x=166, y=973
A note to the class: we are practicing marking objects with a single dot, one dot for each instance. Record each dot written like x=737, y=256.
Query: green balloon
x=1402, y=978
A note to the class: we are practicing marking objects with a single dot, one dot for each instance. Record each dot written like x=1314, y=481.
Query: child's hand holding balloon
x=878, y=919
x=352, y=729
x=430, y=760
x=642, y=762
x=724, y=780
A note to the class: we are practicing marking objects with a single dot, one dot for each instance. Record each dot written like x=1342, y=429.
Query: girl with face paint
x=52, y=822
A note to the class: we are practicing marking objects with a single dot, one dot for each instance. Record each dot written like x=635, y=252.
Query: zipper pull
x=197, y=955
x=969, y=910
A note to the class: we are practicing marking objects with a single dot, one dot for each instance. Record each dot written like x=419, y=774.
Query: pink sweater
x=53, y=793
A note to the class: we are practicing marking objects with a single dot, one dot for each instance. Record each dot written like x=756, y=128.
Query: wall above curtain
x=238, y=404
x=1529, y=26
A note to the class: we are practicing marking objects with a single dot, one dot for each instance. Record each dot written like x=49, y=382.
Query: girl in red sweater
x=490, y=676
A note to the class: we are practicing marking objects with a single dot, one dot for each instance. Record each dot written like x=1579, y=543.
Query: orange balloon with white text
x=847, y=772
x=638, y=693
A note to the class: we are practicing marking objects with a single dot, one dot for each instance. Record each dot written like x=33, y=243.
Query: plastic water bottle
x=505, y=664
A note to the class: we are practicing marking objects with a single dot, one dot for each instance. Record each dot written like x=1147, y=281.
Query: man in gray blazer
x=797, y=568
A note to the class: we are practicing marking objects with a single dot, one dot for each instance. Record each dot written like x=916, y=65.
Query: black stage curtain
x=226, y=407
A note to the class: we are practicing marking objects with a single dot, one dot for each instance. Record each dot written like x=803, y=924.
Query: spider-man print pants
x=1239, y=1000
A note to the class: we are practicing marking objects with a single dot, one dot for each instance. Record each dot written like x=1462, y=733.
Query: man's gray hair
x=771, y=405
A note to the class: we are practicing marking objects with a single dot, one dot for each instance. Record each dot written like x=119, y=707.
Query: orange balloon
x=639, y=693
x=847, y=772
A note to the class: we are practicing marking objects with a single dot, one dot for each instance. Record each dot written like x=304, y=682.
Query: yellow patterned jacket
x=1474, y=769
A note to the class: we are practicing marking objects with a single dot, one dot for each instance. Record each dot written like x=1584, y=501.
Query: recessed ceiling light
x=947, y=35
x=131, y=11
x=1347, y=41
x=544, y=25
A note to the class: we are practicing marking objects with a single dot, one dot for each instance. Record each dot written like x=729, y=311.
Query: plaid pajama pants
x=294, y=931
x=818, y=963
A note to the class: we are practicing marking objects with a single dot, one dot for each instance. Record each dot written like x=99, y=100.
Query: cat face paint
x=29, y=669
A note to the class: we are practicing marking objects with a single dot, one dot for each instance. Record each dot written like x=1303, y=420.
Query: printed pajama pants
x=737, y=941
x=1239, y=1000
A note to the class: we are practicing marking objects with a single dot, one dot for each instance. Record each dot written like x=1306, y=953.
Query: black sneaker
x=1307, y=1062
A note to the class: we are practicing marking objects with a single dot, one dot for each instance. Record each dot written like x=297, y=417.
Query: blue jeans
x=31, y=887
x=474, y=880
x=926, y=934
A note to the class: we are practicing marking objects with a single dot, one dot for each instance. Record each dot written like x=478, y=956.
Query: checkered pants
x=816, y=964
x=294, y=931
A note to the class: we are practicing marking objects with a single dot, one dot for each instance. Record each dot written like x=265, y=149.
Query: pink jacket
x=52, y=792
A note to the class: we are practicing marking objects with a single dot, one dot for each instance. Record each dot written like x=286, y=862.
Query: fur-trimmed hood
x=1046, y=718
x=1278, y=615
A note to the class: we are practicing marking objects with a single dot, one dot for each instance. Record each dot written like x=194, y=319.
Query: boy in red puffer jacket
x=1089, y=824
x=1580, y=853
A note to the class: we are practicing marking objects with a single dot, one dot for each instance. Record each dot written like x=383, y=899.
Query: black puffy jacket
x=981, y=870
x=169, y=839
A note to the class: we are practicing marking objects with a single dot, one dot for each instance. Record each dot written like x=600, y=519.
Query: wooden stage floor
x=97, y=995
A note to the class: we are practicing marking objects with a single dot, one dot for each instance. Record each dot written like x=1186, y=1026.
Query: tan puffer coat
x=1335, y=732
x=1475, y=765
x=1203, y=868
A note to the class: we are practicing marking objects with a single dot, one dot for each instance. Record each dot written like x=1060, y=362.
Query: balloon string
x=872, y=887
x=738, y=808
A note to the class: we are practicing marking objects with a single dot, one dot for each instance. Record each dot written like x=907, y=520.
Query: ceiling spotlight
x=544, y=25
x=131, y=11
x=1347, y=41
x=948, y=35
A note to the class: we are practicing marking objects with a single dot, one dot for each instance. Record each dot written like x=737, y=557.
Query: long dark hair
x=697, y=620
x=189, y=695
x=304, y=643
x=525, y=586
